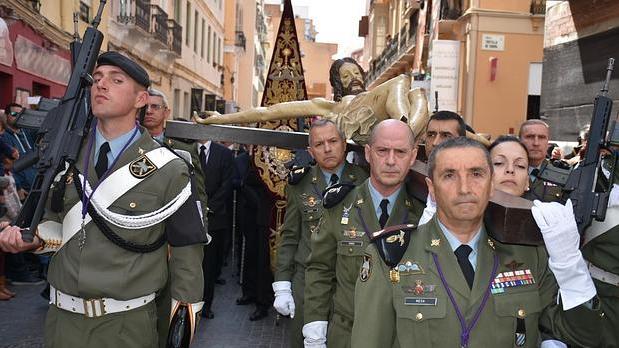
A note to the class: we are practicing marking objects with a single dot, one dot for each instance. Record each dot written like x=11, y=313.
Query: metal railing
x=239, y=39
x=136, y=12
x=397, y=46
x=538, y=7
x=175, y=36
x=159, y=24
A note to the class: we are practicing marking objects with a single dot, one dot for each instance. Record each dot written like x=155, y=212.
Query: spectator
x=24, y=143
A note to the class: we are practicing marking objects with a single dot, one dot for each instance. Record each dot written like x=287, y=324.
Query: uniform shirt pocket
x=516, y=311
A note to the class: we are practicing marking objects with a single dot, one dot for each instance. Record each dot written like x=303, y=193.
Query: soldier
x=443, y=125
x=327, y=145
x=448, y=284
x=157, y=112
x=535, y=134
x=350, y=216
x=111, y=258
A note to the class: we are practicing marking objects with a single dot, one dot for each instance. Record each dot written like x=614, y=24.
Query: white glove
x=428, y=211
x=553, y=344
x=613, y=200
x=284, y=303
x=315, y=334
x=558, y=226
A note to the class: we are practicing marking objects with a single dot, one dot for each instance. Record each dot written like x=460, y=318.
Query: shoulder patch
x=296, y=174
x=392, y=242
x=335, y=194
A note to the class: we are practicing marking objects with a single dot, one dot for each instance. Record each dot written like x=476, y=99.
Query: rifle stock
x=60, y=136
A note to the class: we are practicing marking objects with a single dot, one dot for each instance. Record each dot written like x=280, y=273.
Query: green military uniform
x=417, y=311
x=303, y=211
x=542, y=190
x=164, y=299
x=603, y=253
x=102, y=269
x=337, y=254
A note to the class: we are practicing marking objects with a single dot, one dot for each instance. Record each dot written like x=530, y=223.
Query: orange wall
x=506, y=5
x=502, y=103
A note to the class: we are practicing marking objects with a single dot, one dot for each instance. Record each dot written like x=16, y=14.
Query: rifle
x=580, y=183
x=60, y=136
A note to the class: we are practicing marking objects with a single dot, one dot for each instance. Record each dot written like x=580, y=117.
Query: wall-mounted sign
x=491, y=42
x=445, y=69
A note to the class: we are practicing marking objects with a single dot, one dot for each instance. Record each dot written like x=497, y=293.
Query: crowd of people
x=362, y=260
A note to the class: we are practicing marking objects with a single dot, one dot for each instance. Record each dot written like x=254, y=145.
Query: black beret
x=133, y=69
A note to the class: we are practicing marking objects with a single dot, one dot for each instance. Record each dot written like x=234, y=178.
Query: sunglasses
x=14, y=113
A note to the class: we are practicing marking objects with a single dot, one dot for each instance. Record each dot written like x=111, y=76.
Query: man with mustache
x=306, y=185
x=125, y=224
x=448, y=283
x=349, y=217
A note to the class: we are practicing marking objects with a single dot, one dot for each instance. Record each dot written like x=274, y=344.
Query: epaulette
x=392, y=242
x=296, y=174
x=335, y=194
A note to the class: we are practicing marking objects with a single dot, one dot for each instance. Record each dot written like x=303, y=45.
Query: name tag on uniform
x=350, y=243
x=420, y=301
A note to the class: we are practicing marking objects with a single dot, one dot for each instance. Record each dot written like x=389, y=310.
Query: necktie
x=384, y=215
x=333, y=179
x=462, y=254
x=101, y=166
x=534, y=174
x=203, y=158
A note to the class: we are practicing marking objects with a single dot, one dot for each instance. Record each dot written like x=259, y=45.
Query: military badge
x=345, y=215
x=409, y=268
x=396, y=237
x=419, y=289
x=142, y=167
x=353, y=233
x=309, y=200
x=435, y=242
x=511, y=279
x=366, y=268
x=394, y=276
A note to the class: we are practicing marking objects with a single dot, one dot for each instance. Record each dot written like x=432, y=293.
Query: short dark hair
x=8, y=107
x=321, y=122
x=456, y=143
x=506, y=139
x=444, y=115
x=334, y=76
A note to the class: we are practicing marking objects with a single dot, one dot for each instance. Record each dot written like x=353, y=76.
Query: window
x=239, y=18
x=219, y=51
x=195, y=32
x=186, y=105
x=85, y=10
x=187, y=23
x=177, y=11
x=177, y=103
x=214, y=48
x=208, y=46
x=202, y=41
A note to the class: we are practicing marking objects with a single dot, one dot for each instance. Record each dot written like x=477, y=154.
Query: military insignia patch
x=353, y=233
x=511, y=279
x=366, y=268
x=435, y=242
x=409, y=267
x=419, y=289
x=142, y=167
x=309, y=200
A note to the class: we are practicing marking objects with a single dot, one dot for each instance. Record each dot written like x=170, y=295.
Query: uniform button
x=521, y=313
x=311, y=217
x=419, y=316
x=132, y=205
x=350, y=250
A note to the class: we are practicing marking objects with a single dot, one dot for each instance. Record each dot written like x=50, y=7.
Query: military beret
x=131, y=68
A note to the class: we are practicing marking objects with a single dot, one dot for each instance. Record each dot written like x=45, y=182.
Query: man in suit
x=217, y=164
x=448, y=283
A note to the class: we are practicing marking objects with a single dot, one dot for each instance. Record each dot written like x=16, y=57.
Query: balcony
x=135, y=12
x=395, y=58
x=239, y=39
x=538, y=7
x=159, y=24
x=175, y=37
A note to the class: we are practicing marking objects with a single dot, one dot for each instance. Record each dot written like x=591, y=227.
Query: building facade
x=580, y=36
x=483, y=57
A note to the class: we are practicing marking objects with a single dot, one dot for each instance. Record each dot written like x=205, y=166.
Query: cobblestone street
x=22, y=319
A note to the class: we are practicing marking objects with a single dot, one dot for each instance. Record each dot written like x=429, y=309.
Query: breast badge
x=366, y=268
x=142, y=167
x=511, y=279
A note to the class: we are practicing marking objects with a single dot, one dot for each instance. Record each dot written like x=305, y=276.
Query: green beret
x=131, y=68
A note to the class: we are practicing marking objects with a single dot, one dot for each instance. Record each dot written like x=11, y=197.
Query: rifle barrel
x=609, y=72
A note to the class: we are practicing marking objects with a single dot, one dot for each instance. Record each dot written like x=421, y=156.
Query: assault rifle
x=60, y=136
x=580, y=183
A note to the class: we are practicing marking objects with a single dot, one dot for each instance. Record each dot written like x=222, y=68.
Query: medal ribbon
x=466, y=329
x=85, y=197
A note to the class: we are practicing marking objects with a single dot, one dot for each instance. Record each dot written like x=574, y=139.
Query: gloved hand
x=613, y=200
x=315, y=334
x=429, y=211
x=284, y=303
x=552, y=344
x=558, y=226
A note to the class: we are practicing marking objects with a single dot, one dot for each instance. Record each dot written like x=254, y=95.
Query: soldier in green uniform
x=350, y=215
x=126, y=199
x=535, y=134
x=327, y=145
x=449, y=284
x=601, y=250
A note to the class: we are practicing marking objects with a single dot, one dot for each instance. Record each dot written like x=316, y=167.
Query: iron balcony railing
x=136, y=12
x=175, y=36
x=159, y=24
x=395, y=48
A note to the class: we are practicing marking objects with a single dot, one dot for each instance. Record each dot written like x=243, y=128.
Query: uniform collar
x=327, y=175
x=377, y=198
x=116, y=144
x=454, y=242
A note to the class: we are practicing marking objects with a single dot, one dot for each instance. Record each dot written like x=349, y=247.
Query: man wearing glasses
x=157, y=112
x=350, y=216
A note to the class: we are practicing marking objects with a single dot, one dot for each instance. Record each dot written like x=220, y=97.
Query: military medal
x=366, y=268
x=345, y=215
x=394, y=276
x=511, y=279
x=353, y=233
